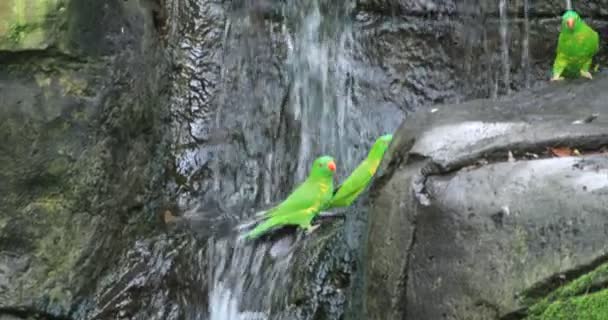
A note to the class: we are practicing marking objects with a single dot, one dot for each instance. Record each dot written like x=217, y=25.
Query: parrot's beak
x=332, y=166
x=570, y=23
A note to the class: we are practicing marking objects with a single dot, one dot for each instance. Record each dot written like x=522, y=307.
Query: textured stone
x=457, y=231
x=31, y=24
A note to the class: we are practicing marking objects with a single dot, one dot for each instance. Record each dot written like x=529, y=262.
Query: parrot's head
x=381, y=145
x=324, y=166
x=570, y=20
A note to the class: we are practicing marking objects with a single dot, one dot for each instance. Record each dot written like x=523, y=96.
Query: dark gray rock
x=457, y=231
x=80, y=123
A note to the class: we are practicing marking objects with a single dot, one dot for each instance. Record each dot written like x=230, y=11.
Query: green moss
x=572, y=301
x=520, y=246
x=58, y=166
x=72, y=85
x=27, y=25
x=17, y=32
x=58, y=244
x=588, y=307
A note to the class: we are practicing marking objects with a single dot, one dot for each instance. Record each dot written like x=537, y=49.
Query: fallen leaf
x=561, y=151
x=168, y=217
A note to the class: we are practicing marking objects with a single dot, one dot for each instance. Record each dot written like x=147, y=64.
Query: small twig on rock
x=588, y=119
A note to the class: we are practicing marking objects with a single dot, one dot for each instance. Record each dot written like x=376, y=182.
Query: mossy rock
x=578, y=300
x=30, y=24
x=589, y=307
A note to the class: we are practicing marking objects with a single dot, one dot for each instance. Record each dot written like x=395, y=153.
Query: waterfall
x=246, y=279
x=243, y=278
x=318, y=63
x=261, y=89
x=525, y=50
x=504, y=38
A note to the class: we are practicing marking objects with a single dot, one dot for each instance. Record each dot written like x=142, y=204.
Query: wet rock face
x=79, y=122
x=446, y=51
x=459, y=231
x=259, y=80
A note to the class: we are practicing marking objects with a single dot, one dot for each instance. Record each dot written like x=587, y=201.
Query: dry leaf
x=561, y=152
x=168, y=217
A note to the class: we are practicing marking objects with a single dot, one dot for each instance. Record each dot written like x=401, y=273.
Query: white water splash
x=240, y=276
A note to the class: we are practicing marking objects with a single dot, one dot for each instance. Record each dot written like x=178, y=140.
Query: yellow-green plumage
x=304, y=203
x=576, y=46
x=358, y=180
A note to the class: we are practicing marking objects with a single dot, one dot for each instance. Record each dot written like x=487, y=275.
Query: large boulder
x=474, y=218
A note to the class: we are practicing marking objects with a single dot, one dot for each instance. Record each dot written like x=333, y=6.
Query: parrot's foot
x=557, y=78
x=312, y=228
x=586, y=74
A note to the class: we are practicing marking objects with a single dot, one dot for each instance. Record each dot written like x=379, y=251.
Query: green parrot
x=304, y=203
x=576, y=46
x=350, y=189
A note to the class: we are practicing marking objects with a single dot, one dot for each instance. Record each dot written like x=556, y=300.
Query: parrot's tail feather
x=259, y=216
x=263, y=228
x=241, y=237
x=261, y=213
x=246, y=225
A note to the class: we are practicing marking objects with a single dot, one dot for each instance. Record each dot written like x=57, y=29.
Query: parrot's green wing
x=303, y=197
x=353, y=185
x=298, y=209
x=298, y=218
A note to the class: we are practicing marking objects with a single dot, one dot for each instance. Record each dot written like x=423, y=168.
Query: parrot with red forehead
x=576, y=46
x=304, y=203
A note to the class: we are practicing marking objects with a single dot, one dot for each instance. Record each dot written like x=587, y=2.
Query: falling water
x=504, y=28
x=318, y=68
x=247, y=280
x=244, y=277
x=525, y=52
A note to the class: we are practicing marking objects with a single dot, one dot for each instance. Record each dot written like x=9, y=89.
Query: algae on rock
x=30, y=24
x=578, y=300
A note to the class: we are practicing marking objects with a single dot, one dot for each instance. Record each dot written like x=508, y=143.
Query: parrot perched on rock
x=304, y=203
x=358, y=180
x=576, y=46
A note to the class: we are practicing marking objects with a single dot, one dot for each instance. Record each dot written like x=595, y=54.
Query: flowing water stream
x=525, y=51
x=248, y=280
x=504, y=45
